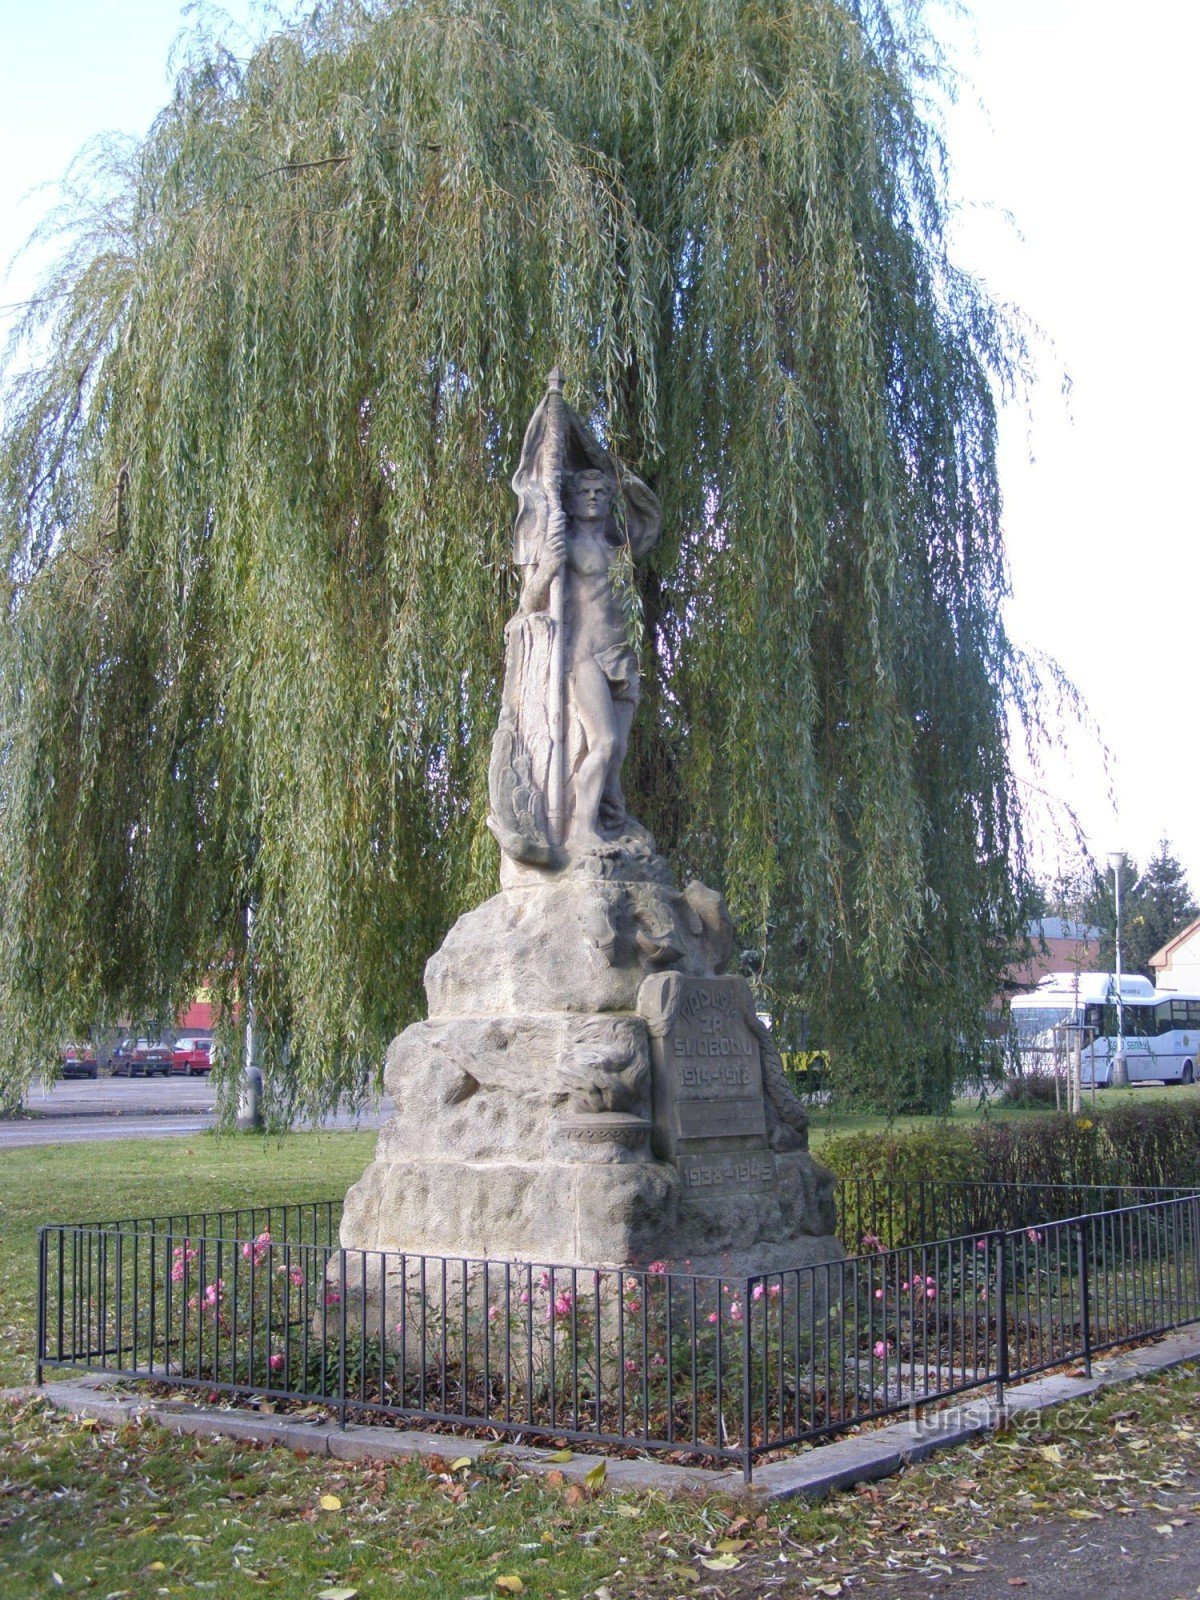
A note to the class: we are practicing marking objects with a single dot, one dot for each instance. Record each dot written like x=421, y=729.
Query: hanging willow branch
x=296, y=348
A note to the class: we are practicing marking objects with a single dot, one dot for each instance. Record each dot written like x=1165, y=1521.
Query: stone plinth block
x=544, y=1211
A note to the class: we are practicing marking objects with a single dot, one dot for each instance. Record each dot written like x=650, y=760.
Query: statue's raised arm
x=571, y=680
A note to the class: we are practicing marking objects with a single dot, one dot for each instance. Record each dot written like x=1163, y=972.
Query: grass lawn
x=89, y=1510
x=826, y=1122
x=145, y=1177
x=85, y=1509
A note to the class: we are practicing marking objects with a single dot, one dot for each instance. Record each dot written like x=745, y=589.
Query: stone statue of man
x=579, y=518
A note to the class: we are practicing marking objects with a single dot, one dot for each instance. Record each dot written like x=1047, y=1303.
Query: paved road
x=1153, y=1555
x=82, y=1109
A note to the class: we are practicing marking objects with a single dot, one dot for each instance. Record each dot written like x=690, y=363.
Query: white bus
x=1160, y=1028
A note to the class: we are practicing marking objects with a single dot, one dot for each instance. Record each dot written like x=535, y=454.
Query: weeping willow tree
x=256, y=517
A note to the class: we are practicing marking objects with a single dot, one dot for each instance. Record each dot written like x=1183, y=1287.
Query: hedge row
x=1150, y=1144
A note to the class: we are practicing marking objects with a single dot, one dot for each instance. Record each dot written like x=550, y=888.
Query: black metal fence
x=949, y=1287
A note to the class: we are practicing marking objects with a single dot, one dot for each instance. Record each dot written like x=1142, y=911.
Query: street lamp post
x=250, y=1085
x=1120, y=1071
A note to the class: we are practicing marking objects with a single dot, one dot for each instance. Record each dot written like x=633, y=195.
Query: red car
x=79, y=1061
x=144, y=1059
x=192, y=1056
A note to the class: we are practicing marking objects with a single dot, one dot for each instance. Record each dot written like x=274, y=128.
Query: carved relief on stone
x=605, y=1073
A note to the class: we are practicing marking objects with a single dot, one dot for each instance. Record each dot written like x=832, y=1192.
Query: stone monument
x=590, y=1086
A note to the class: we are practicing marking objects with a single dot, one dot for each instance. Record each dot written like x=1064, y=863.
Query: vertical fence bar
x=341, y=1410
x=1001, y=1243
x=61, y=1292
x=119, y=1323
x=133, y=1309
x=747, y=1397
x=42, y=1290
x=1084, y=1255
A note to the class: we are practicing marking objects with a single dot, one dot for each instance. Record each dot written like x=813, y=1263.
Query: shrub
x=938, y=1152
x=1151, y=1145
x=1154, y=1144
x=1051, y=1149
x=1036, y=1089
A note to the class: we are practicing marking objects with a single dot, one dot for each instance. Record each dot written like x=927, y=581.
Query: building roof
x=1162, y=958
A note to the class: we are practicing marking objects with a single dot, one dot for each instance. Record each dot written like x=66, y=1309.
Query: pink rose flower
x=259, y=1249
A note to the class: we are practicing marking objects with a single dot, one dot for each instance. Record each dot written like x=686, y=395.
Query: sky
x=1072, y=150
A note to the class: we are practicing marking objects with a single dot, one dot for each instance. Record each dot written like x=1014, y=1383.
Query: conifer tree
x=1155, y=905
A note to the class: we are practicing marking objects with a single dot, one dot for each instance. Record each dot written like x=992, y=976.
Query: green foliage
x=1033, y=1089
x=1160, y=906
x=1149, y=1144
x=1155, y=905
x=255, y=520
x=938, y=1152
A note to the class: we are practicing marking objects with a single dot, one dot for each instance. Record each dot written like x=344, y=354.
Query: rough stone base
x=590, y=1091
x=564, y=1213
x=553, y=1212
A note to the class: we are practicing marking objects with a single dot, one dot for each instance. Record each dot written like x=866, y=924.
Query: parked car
x=144, y=1058
x=192, y=1055
x=79, y=1061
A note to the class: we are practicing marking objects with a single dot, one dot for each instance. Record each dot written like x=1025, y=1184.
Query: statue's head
x=589, y=494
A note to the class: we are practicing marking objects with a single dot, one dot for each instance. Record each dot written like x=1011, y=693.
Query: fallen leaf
x=510, y=1585
x=463, y=1461
x=595, y=1478
x=624, y=1510
x=731, y=1545
x=1051, y=1452
x=726, y=1563
x=555, y=1479
x=157, y=1566
x=337, y=1594
x=1164, y=1527
x=1018, y=1583
x=1085, y=1516
x=561, y=1455
x=330, y=1502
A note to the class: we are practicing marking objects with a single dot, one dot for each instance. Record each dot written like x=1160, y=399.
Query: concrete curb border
x=816, y=1472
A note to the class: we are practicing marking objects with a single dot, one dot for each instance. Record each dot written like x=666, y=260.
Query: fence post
x=1178, y=1310
x=41, y=1305
x=747, y=1363
x=341, y=1337
x=1001, y=1242
x=1085, y=1293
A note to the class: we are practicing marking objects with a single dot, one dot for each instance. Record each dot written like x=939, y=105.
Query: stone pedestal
x=571, y=1101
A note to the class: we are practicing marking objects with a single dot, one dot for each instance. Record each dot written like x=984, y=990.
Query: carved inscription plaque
x=709, y=1116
